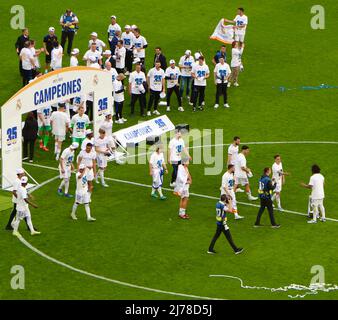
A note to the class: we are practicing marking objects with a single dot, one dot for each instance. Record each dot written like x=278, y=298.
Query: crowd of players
x=126, y=49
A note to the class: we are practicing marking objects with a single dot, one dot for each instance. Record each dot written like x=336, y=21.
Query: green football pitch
x=138, y=248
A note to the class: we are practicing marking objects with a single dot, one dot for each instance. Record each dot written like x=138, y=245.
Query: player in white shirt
x=140, y=43
x=222, y=74
x=183, y=183
x=278, y=174
x=82, y=195
x=233, y=150
x=114, y=30
x=101, y=144
x=45, y=128
x=241, y=22
x=236, y=62
x=242, y=173
x=156, y=84
x=36, y=53
x=200, y=73
x=28, y=63
x=100, y=45
x=93, y=57
x=316, y=185
x=89, y=139
x=107, y=124
x=157, y=167
x=227, y=187
x=60, y=125
x=66, y=167
x=22, y=207
x=56, y=56
x=137, y=90
x=120, y=57
x=172, y=75
x=74, y=62
x=118, y=91
x=78, y=125
x=128, y=42
x=185, y=65
x=175, y=149
x=88, y=158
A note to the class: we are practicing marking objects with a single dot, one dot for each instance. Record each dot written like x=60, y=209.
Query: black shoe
x=258, y=225
x=276, y=226
x=239, y=251
x=211, y=251
x=9, y=228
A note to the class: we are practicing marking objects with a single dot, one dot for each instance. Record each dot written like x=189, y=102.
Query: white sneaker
x=236, y=84
x=91, y=219
x=173, y=184
x=280, y=209
x=190, y=103
x=203, y=103
x=238, y=217
x=16, y=234
x=73, y=216
x=216, y=106
x=180, y=109
x=105, y=185
x=252, y=198
x=229, y=84
x=156, y=112
x=124, y=120
x=226, y=105
x=120, y=121
x=188, y=98
x=322, y=219
x=33, y=233
x=239, y=190
x=312, y=221
x=168, y=108
x=127, y=73
x=97, y=181
x=148, y=113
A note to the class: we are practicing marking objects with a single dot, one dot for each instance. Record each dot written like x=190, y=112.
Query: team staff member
x=159, y=56
x=29, y=134
x=200, y=73
x=172, y=75
x=266, y=186
x=156, y=84
x=220, y=54
x=69, y=23
x=19, y=44
x=222, y=207
x=48, y=45
x=222, y=74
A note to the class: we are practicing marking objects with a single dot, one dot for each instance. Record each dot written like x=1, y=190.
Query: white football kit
x=182, y=187
x=46, y=114
x=82, y=192
x=241, y=177
x=240, y=33
x=176, y=146
x=60, y=121
x=87, y=159
x=102, y=145
x=68, y=157
x=277, y=174
x=228, y=181
x=156, y=76
x=157, y=161
x=233, y=151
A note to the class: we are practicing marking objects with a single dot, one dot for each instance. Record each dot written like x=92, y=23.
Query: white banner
x=141, y=131
x=45, y=91
x=223, y=33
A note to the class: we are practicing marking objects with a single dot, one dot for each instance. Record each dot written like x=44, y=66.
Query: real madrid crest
x=96, y=80
x=18, y=105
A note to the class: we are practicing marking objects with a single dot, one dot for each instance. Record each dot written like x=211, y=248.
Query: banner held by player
x=223, y=33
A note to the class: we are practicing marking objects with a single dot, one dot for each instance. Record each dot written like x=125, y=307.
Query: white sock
x=322, y=211
x=182, y=212
x=249, y=193
x=159, y=190
x=153, y=190
x=15, y=224
x=30, y=224
x=74, y=208
x=273, y=197
x=55, y=148
x=87, y=208
x=278, y=201
x=66, y=183
x=62, y=184
x=101, y=173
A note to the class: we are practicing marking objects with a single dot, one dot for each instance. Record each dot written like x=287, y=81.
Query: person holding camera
x=266, y=187
x=223, y=206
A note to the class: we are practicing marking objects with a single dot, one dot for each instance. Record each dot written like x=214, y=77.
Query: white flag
x=223, y=33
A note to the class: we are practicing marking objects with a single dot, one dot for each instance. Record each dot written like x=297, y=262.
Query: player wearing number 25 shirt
x=222, y=73
x=156, y=83
x=79, y=124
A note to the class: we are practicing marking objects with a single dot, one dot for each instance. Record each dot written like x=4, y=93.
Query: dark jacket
x=162, y=59
x=30, y=129
x=20, y=42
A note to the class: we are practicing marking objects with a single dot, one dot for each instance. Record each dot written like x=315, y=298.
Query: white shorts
x=67, y=174
x=185, y=191
x=90, y=174
x=60, y=138
x=82, y=198
x=239, y=37
x=233, y=196
x=101, y=161
x=241, y=181
x=278, y=187
x=23, y=214
x=317, y=202
x=157, y=178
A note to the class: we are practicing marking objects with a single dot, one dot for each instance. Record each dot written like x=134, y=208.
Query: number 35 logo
x=103, y=105
x=12, y=135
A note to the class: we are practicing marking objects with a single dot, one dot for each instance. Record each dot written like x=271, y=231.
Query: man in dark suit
x=20, y=43
x=160, y=57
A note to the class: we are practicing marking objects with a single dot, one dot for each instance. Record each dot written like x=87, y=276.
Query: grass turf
x=141, y=241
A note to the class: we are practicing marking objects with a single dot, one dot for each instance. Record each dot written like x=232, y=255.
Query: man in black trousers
x=266, y=186
x=69, y=23
x=19, y=44
x=160, y=57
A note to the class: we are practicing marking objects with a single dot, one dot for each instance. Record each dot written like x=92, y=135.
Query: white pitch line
x=191, y=193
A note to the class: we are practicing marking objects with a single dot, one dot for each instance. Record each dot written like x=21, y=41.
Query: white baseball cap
x=187, y=52
x=51, y=29
x=92, y=59
x=94, y=34
x=74, y=145
x=134, y=26
x=172, y=61
x=127, y=26
x=113, y=17
x=106, y=114
x=197, y=55
x=136, y=60
x=89, y=131
x=75, y=51
x=24, y=179
x=20, y=171
x=107, y=52
x=82, y=166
